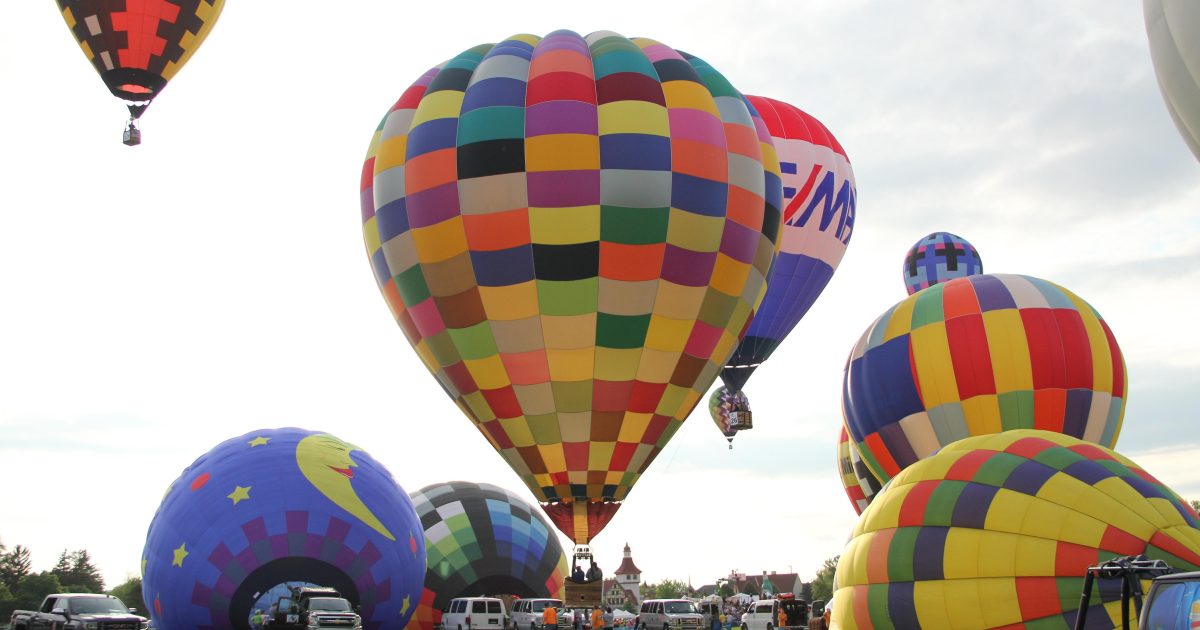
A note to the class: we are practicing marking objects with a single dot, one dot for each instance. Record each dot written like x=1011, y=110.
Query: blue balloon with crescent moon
x=939, y=257
x=276, y=507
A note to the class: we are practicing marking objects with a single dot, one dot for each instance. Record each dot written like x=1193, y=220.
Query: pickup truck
x=78, y=611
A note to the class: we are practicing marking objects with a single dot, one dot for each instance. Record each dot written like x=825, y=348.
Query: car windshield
x=329, y=603
x=94, y=605
x=679, y=607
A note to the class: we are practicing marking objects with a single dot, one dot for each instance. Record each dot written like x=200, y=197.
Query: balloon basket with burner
x=132, y=136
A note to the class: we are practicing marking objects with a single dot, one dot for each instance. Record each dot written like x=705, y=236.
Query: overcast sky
x=157, y=300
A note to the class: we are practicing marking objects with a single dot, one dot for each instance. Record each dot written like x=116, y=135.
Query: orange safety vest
x=550, y=616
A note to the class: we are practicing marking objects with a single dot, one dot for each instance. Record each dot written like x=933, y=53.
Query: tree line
x=22, y=589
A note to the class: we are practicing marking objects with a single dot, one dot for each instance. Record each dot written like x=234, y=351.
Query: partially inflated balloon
x=977, y=355
x=728, y=409
x=858, y=481
x=572, y=232
x=1173, y=27
x=999, y=530
x=820, y=207
x=137, y=46
x=939, y=257
x=481, y=538
x=282, y=506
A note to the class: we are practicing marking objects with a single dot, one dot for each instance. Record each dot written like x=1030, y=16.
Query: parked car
x=764, y=614
x=329, y=612
x=527, y=613
x=669, y=614
x=474, y=613
x=78, y=611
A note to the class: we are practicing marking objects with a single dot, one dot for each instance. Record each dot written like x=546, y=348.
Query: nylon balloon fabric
x=281, y=506
x=858, y=481
x=977, y=355
x=137, y=46
x=997, y=531
x=821, y=203
x=572, y=232
x=939, y=257
x=480, y=538
x=1173, y=30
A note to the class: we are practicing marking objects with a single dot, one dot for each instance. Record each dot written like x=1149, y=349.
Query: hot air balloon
x=280, y=506
x=939, y=257
x=730, y=411
x=481, y=538
x=572, y=232
x=998, y=531
x=137, y=46
x=977, y=355
x=1173, y=27
x=858, y=481
x=818, y=220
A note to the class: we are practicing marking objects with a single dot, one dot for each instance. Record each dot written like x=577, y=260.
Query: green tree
x=14, y=565
x=751, y=588
x=130, y=592
x=1195, y=503
x=34, y=588
x=725, y=590
x=6, y=602
x=76, y=572
x=822, y=584
x=667, y=589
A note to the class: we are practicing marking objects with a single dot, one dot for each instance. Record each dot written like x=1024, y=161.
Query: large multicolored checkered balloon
x=481, y=538
x=572, y=232
x=818, y=220
x=939, y=257
x=998, y=531
x=858, y=481
x=281, y=506
x=137, y=47
x=977, y=355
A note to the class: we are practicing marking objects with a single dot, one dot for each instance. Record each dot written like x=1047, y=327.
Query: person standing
x=577, y=621
x=597, y=619
x=594, y=574
x=607, y=618
x=257, y=619
x=549, y=617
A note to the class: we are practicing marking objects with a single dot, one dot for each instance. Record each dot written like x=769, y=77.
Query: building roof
x=706, y=590
x=780, y=582
x=627, y=566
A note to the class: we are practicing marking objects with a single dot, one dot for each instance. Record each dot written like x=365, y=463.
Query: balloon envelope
x=999, y=530
x=276, y=506
x=939, y=257
x=723, y=405
x=137, y=47
x=858, y=481
x=820, y=205
x=977, y=355
x=1173, y=28
x=572, y=232
x=481, y=538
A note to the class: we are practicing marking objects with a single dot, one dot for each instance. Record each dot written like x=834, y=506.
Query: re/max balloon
x=138, y=46
x=1173, y=28
x=821, y=204
x=276, y=506
x=481, y=538
x=997, y=531
x=977, y=355
x=727, y=408
x=572, y=232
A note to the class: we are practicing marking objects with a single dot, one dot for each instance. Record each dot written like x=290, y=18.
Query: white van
x=527, y=613
x=474, y=613
x=669, y=614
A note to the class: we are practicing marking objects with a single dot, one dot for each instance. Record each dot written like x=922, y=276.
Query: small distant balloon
x=939, y=257
x=730, y=411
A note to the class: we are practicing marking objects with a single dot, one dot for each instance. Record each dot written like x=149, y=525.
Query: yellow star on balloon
x=404, y=607
x=259, y=441
x=239, y=494
x=180, y=554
